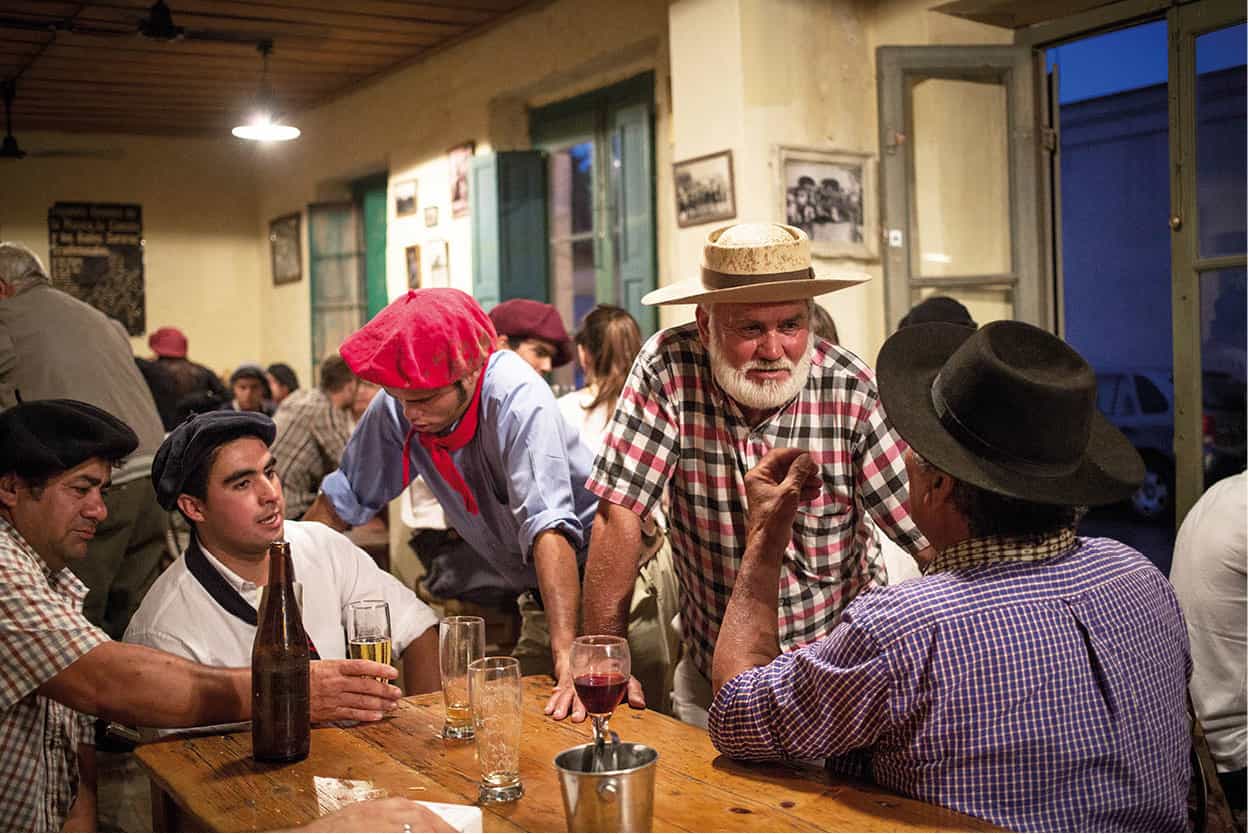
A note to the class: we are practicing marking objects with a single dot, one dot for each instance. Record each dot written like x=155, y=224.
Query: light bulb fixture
x=263, y=124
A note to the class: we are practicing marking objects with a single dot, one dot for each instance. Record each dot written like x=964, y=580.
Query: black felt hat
x=193, y=441
x=42, y=438
x=1009, y=408
x=938, y=308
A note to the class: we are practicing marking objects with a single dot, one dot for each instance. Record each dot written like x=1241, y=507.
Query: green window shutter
x=374, y=200
x=507, y=193
x=637, y=251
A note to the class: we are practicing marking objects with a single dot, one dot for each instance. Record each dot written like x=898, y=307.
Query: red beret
x=522, y=318
x=426, y=339
x=168, y=341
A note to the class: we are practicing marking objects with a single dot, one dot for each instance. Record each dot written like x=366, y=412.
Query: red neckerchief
x=440, y=446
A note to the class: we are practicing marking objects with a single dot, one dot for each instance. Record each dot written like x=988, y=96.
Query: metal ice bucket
x=615, y=793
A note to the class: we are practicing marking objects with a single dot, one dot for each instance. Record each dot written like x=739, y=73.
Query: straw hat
x=754, y=262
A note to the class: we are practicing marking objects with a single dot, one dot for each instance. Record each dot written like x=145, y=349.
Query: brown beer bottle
x=280, y=700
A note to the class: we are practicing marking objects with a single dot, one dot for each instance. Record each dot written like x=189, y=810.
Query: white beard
x=760, y=396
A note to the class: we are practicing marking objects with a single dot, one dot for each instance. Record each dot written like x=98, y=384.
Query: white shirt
x=1210, y=578
x=180, y=617
x=592, y=425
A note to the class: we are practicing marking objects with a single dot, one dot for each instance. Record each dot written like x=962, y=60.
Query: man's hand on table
x=392, y=814
x=348, y=690
x=563, y=702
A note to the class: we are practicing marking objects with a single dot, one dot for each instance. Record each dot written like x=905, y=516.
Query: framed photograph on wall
x=431, y=216
x=284, y=246
x=459, y=156
x=831, y=195
x=405, y=198
x=439, y=263
x=704, y=189
x=412, y=254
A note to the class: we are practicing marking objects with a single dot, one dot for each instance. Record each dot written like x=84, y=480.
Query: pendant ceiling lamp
x=263, y=122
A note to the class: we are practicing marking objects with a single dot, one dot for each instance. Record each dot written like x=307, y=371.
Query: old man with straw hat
x=704, y=403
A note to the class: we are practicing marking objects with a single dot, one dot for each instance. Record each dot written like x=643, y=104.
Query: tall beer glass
x=461, y=640
x=497, y=707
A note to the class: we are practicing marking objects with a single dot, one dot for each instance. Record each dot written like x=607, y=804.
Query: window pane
x=985, y=304
x=961, y=179
x=572, y=190
x=1220, y=142
x=1224, y=336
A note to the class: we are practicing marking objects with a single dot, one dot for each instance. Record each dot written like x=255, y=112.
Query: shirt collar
x=62, y=581
x=989, y=550
x=243, y=586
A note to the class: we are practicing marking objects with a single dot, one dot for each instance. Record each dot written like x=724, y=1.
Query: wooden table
x=212, y=783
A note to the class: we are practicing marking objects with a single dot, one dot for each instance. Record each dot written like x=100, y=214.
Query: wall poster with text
x=96, y=255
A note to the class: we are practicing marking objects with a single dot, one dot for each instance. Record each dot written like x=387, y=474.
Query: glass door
x=1208, y=217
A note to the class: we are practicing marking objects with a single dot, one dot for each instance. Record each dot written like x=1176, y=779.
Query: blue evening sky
x=1132, y=58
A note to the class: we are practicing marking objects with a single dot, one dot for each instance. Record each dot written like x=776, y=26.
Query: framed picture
x=459, y=156
x=412, y=253
x=830, y=195
x=284, y=245
x=439, y=263
x=431, y=215
x=704, y=189
x=405, y=198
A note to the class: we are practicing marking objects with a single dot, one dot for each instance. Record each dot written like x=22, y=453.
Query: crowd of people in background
x=812, y=557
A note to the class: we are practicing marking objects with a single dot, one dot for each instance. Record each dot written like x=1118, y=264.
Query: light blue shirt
x=526, y=468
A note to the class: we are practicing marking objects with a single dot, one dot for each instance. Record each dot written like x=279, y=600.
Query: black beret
x=43, y=438
x=194, y=440
x=248, y=371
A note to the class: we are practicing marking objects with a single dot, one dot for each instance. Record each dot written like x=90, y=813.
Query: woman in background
x=606, y=344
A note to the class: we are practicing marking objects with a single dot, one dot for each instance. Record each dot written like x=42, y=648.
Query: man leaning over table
x=703, y=403
x=217, y=470
x=56, y=669
x=1030, y=677
x=484, y=431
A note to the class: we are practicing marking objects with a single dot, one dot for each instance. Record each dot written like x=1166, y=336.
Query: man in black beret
x=1031, y=677
x=216, y=469
x=56, y=668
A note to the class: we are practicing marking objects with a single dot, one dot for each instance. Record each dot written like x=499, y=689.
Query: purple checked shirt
x=1038, y=695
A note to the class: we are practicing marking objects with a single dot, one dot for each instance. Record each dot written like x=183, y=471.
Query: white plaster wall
x=203, y=262
x=476, y=91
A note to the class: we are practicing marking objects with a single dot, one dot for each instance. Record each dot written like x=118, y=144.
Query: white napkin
x=333, y=794
x=466, y=818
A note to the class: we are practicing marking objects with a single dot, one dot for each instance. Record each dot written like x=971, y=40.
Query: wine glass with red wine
x=600, y=670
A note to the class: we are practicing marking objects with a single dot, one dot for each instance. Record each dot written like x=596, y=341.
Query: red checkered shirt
x=42, y=631
x=674, y=427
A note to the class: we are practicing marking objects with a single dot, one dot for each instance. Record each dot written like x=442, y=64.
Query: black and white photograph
x=460, y=156
x=284, y=249
x=405, y=198
x=96, y=255
x=412, y=255
x=704, y=189
x=830, y=196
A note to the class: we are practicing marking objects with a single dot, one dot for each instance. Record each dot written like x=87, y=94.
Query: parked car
x=1140, y=402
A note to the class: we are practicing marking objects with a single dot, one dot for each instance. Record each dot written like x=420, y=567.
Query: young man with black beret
x=56, y=668
x=217, y=470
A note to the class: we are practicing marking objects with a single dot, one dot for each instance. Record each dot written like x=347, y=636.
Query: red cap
x=168, y=342
x=521, y=318
x=426, y=339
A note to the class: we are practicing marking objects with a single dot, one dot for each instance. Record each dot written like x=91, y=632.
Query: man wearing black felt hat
x=1031, y=677
x=217, y=470
x=56, y=668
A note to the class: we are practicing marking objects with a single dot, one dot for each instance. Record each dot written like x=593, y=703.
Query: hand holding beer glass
x=461, y=640
x=600, y=669
x=368, y=631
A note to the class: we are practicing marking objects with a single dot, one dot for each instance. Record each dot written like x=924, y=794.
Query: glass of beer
x=600, y=669
x=461, y=640
x=368, y=631
x=497, y=706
